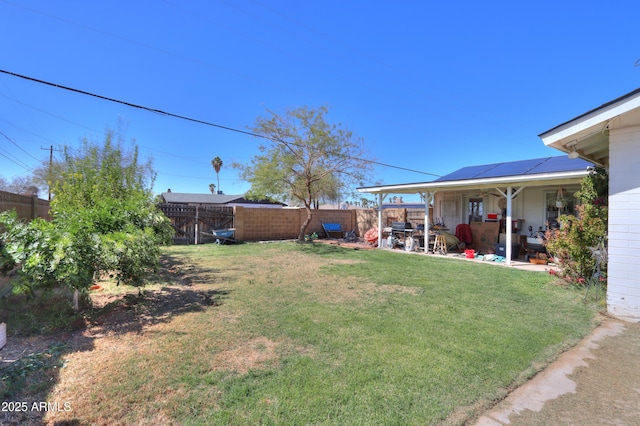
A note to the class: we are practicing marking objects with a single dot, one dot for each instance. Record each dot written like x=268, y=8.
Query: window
x=476, y=210
x=557, y=206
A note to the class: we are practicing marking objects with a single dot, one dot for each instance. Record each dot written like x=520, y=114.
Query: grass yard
x=284, y=333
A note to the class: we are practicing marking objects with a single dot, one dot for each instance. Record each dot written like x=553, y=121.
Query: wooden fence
x=192, y=222
x=26, y=206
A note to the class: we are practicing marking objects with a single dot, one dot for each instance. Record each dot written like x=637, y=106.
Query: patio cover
x=508, y=178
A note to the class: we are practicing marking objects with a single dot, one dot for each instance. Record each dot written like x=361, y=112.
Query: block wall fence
x=257, y=224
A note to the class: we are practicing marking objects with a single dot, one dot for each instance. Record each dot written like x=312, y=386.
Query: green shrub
x=579, y=246
x=104, y=221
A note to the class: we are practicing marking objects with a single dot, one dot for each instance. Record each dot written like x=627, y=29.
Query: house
x=215, y=200
x=527, y=194
x=610, y=136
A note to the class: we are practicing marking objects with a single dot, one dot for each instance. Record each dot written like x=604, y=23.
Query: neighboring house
x=610, y=136
x=215, y=200
x=521, y=193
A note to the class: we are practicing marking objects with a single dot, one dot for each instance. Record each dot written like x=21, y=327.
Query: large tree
x=103, y=222
x=306, y=158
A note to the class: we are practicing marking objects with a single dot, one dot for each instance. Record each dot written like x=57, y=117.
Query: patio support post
x=428, y=197
x=509, y=195
x=507, y=225
x=195, y=232
x=381, y=198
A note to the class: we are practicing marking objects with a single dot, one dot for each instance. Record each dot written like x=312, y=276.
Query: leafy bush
x=579, y=246
x=574, y=243
x=103, y=222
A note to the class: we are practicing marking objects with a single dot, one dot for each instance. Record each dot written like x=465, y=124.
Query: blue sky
x=429, y=86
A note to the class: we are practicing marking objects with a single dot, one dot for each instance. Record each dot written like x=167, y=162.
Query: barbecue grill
x=401, y=226
x=402, y=232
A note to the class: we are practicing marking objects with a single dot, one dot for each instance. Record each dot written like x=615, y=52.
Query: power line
x=14, y=161
x=11, y=157
x=182, y=117
x=19, y=147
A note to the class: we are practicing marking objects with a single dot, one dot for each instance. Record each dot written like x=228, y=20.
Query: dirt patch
x=254, y=354
x=356, y=245
x=17, y=347
x=307, y=271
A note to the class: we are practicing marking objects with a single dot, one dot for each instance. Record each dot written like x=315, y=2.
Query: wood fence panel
x=26, y=206
x=189, y=222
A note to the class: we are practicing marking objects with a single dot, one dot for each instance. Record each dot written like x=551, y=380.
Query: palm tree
x=217, y=165
x=212, y=188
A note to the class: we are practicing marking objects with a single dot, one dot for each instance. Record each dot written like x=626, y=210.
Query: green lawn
x=317, y=334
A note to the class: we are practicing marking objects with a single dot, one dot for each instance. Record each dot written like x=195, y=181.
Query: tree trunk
x=75, y=300
x=305, y=224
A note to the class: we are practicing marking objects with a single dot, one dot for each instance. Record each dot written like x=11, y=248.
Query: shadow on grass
x=133, y=312
x=31, y=361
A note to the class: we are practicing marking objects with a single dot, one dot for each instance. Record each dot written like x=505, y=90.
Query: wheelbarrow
x=224, y=236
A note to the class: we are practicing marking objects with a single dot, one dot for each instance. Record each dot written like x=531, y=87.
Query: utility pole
x=50, y=167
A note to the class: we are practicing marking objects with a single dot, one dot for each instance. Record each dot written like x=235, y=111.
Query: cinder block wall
x=393, y=215
x=365, y=220
x=346, y=218
x=257, y=224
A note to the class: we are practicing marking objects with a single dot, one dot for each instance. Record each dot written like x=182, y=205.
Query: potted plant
x=560, y=201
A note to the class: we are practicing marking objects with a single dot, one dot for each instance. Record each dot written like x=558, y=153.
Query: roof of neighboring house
x=188, y=198
x=245, y=201
x=185, y=198
x=538, y=171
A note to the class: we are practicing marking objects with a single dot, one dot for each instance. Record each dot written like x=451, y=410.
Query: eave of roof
x=602, y=113
x=587, y=133
x=561, y=178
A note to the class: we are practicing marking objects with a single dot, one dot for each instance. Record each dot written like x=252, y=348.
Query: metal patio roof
x=538, y=171
x=518, y=168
